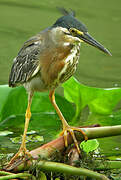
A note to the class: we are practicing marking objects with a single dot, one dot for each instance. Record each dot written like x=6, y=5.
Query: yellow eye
x=75, y=32
x=72, y=30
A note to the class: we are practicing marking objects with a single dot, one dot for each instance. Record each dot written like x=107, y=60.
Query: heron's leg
x=22, y=150
x=27, y=118
x=66, y=127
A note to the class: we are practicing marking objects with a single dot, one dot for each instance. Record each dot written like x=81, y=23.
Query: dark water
x=21, y=19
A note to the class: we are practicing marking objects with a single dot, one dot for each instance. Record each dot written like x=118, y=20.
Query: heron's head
x=69, y=25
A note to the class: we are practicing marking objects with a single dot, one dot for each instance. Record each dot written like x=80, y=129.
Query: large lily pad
x=101, y=101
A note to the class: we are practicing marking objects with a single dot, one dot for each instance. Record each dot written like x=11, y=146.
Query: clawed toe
x=20, y=155
x=71, y=131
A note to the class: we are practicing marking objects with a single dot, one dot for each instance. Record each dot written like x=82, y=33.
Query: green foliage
x=13, y=102
x=44, y=120
x=5, y=133
x=101, y=101
x=89, y=146
x=30, y=138
x=45, y=123
x=42, y=176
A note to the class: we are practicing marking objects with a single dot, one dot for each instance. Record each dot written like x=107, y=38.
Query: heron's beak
x=85, y=36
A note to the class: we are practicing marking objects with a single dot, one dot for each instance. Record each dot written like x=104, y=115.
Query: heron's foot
x=71, y=130
x=22, y=154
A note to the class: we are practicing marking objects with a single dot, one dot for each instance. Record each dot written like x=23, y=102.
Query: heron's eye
x=72, y=31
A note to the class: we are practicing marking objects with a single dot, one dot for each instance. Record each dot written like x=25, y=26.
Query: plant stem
x=5, y=173
x=47, y=150
x=12, y=176
x=100, y=132
x=63, y=168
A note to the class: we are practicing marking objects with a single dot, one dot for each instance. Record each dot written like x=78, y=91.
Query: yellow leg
x=23, y=153
x=66, y=127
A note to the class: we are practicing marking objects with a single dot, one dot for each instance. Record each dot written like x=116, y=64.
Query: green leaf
x=89, y=146
x=5, y=133
x=101, y=101
x=30, y=138
x=42, y=176
x=14, y=102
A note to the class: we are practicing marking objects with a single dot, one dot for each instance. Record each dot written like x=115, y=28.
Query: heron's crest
x=65, y=12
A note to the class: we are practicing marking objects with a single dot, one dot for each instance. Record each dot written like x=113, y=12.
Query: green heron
x=48, y=59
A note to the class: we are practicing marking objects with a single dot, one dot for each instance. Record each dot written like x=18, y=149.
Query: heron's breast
x=71, y=62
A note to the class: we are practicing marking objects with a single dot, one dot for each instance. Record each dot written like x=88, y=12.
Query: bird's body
x=47, y=60
x=42, y=66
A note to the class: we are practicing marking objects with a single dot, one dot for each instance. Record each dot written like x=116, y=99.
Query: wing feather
x=26, y=64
